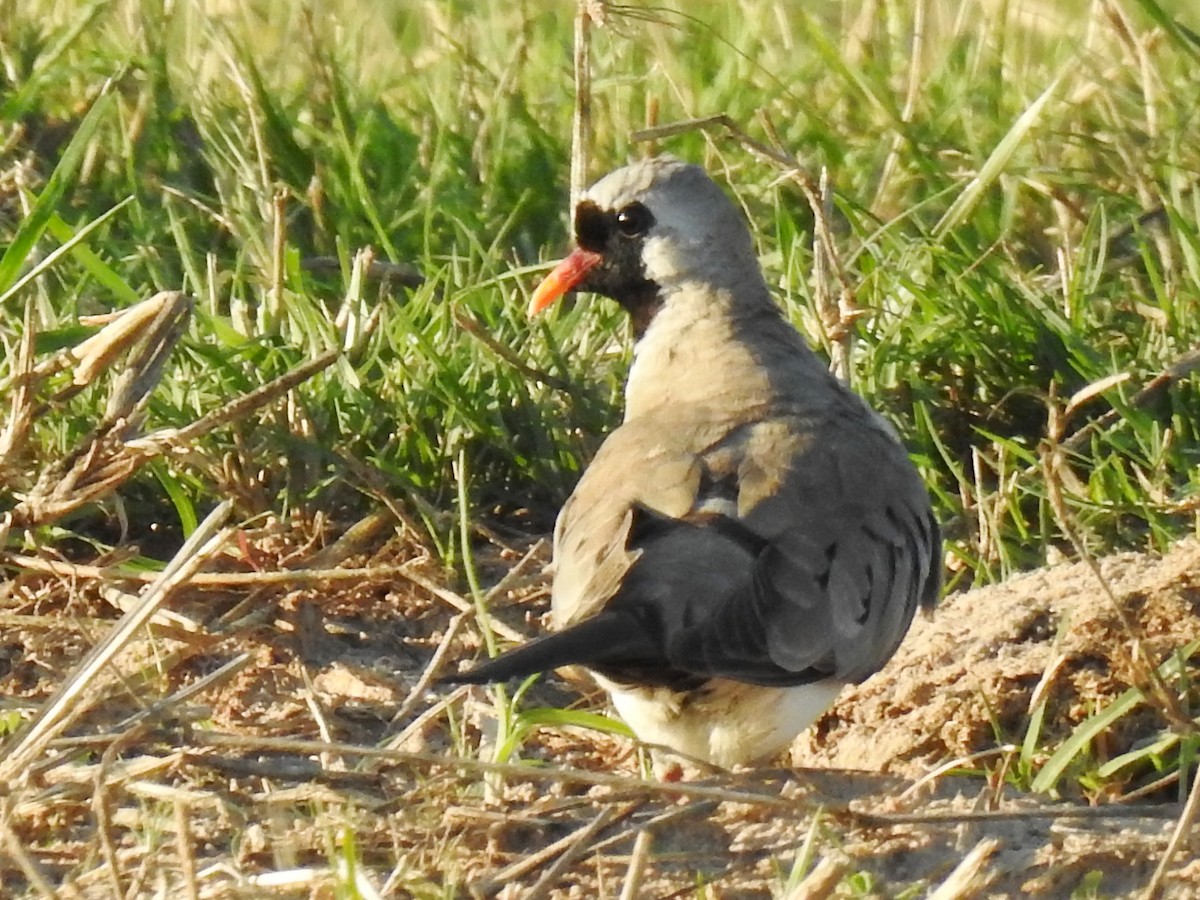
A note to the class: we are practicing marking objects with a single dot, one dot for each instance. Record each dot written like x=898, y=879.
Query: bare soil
x=327, y=756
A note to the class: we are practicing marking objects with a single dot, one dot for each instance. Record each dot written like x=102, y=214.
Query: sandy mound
x=964, y=679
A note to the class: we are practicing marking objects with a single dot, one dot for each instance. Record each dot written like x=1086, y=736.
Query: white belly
x=726, y=723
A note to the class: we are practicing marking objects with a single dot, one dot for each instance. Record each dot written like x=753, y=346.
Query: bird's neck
x=715, y=349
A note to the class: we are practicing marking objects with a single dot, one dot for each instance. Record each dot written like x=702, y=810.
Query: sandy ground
x=328, y=752
x=966, y=681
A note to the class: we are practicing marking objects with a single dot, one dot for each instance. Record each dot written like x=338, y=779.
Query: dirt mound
x=964, y=680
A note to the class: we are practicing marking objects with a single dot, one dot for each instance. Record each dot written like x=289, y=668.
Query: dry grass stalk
x=971, y=875
x=71, y=699
x=20, y=413
x=102, y=810
x=165, y=618
x=147, y=358
x=357, y=538
x=693, y=790
x=1183, y=366
x=51, y=621
x=184, y=843
x=417, y=725
x=581, y=119
x=121, y=330
x=431, y=670
x=460, y=603
x=916, y=71
x=239, y=408
x=573, y=847
x=272, y=308
x=1111, y=811
x=147, y=332
x=543, y=886
x=1140, y=667
x=671, y=817
x=631, y=889
x=195, y=689
x=514, y=572
x=111, y=771
x=822, y=881
x=107, y=458
x=477, y=330
x=29, y=868
x=950, y=765
x=366, y=575
x=357, y=319
x=1183, y=828
x=328, y=760
x=518, y=772
x=535, y=861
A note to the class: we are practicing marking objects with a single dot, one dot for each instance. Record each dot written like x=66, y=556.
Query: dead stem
x=1183, y=828
x=1141, y=669
x=971, y=875
x=69, y=701
x=632, y=887
x=579, y=843
x=184, y=841
x=581, y=116
x=29, y=868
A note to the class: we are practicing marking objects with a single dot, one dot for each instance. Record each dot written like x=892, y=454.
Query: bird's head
x=647, y=230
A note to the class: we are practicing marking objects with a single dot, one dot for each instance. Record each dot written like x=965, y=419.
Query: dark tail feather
x=601, y=639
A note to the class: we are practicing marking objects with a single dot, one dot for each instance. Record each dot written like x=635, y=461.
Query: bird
x=753, y=536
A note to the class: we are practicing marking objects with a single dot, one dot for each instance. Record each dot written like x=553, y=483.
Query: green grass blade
x=184, y=508
x=997, y=162
x=102, y=272
x=73, y=244
x=19, y=103
x=1082, y=737
x=1033, y=734
x=47, y=203
x=1079, y=740
x=574, y=718
x=1184, y=38
x=1157, y=748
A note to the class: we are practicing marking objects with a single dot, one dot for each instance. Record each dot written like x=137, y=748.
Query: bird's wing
x=776, y=552
x=633, y=469
x=851, y=550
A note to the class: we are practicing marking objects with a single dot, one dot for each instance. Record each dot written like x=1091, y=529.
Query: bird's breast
x=698, y=363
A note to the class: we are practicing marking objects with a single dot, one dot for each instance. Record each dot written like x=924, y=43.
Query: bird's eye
x=634, y=220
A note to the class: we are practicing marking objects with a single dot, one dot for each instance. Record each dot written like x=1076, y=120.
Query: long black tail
x=603, y=639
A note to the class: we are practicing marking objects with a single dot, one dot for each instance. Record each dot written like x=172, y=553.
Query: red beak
x=565, y=276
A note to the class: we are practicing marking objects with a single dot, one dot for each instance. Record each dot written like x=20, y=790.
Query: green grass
x=990, y=201
x=976, y=223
